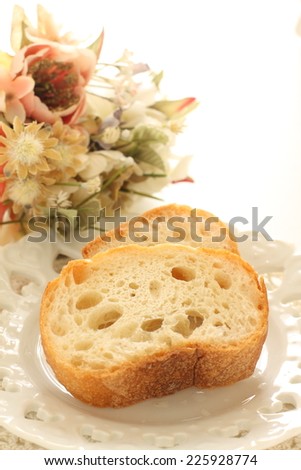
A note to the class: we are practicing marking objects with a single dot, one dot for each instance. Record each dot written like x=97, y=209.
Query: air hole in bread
x=108, y=355
x=218, y=323
x=80, y=273
x=260, y=307
x=182, y=327
x=113, y=299
x=58, y=329
x=186, y=302
x=133, y=285
x=217, y=265
x=152, y=325
x=83, y=345
x=154, y=287
x=216, y=311
x=186, y=325
x=182, y=273
x=88, y=299
x=120, y=283
x=225, y=305
x=133, y=294
x=195, y=319
x=104, y=318
x=223, y=279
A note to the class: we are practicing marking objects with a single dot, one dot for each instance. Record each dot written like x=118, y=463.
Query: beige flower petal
x=3, y=157
x=22, y=171
x=44, y=134
x=8, y=131
x=50, y=142
x=43, y=166
x=3, y=140
x=53, y=154
x=34, y=127
x=18, y=125
x=33, y=170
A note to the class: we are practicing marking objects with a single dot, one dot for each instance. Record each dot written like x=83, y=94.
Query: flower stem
x=67, y=184
x=154, y=175
x=17, y=221
x=104, y=186
x=139, y=193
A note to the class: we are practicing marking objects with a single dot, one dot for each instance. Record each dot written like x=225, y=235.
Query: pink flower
x=47, y=29
x=12, y=91
x=60, y=74
x=176, y=109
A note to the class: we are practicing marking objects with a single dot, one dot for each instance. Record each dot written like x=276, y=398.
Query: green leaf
x=128, y=149
x=157, y=78
x=70, y=214
x=88, y=210
x=148, y=155
x=150, y=134
x=96, y=46
x=92, y=207
x=140, y=193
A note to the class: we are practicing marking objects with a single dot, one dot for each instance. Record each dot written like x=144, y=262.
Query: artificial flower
x=77, y=135
x=93, y=185
x=60, y=74
x=71, y=145
x=59, y=200
x=176, y=109
x=23, y=192
x=26, y=149
x=105, y=161
x=47, y=30
x=12, y=90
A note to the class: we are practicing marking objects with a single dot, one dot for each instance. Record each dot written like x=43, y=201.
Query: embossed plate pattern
x=254, y=414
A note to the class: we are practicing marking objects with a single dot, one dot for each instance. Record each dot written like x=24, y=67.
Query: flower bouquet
x=78, y=135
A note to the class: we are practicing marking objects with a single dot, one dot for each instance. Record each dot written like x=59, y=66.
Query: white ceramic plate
x=254, y=414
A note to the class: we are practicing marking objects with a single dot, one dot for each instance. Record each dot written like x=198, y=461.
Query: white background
x=242, y=60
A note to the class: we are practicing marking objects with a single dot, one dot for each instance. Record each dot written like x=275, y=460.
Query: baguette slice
x=161, y=226
x=139, y=322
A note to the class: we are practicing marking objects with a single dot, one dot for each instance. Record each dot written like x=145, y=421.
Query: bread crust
x=203, y=365
x=170, y=210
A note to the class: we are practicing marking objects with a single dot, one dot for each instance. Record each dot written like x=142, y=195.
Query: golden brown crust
x=169, y=211
x=203, y=365
x=156, y=376
x=163, y=374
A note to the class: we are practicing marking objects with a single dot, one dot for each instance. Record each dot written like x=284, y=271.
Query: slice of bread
x=139, y=322
x=172, y=223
